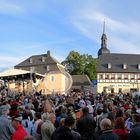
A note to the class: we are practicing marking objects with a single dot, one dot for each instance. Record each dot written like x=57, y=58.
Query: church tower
x=103, y=49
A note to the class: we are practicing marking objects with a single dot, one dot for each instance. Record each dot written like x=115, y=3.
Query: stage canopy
x=18, y=74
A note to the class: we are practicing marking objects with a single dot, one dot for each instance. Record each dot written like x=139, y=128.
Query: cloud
x=7, y=7
x=122, y=35
x=9, y=61
x=19, y=51
x=123, y=46
x=89, y=18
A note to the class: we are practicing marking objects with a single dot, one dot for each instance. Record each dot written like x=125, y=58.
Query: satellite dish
x=57, y=82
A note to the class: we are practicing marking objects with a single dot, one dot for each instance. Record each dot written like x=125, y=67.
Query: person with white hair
x=47, y=127
x=6, y=129
x=106, y=131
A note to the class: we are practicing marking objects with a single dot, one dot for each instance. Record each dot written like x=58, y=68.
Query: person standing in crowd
x=96, y=118
x=86, y=125
x=106, y=131
x=91, y=110
x=120, y=129
x=47, y=127
x=128, y=120
x=6, y=129
x=20, y=133
x=135, y=131
x=36, y=129
x=66, y=131
x=27, y=123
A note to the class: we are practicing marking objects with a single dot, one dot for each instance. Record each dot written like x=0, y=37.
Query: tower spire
x=104, y=27
x=103, y=49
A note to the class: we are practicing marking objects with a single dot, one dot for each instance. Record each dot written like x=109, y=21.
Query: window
x=109, y=66
x=120, y=90
x=112, y=90
x=107, y=76
x=52, y=78
x=112, y=76
x=43, y=59
x=132, y=76
x=138, y=76
x=124, y=66
x=104, y=89
x=48, y=68
x=125, y=76
x=101, y=76
x=119, y=76
x=31, y=60
x=139, y=66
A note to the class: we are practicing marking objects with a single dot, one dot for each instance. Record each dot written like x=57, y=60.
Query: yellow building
x=56, y=79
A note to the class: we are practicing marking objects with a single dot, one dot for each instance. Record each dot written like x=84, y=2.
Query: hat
x=4, y=108
x=17, y=118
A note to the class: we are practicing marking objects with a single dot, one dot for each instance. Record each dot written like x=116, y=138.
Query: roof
x=41, y=63
x=12, y=72
x=117, y=61
x=82, y=80
x=15, y=72
x=37, y=60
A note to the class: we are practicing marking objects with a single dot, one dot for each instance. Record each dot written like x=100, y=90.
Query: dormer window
x=109, y=66
x=138, y=66
x=124, y=66
x=48, y=68
x=43, y=59
x=31, y=60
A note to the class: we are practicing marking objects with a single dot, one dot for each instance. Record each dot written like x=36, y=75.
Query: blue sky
x=31, y=27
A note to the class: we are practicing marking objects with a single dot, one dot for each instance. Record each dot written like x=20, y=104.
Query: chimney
x=48, y=53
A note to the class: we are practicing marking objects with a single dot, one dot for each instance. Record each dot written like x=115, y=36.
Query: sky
x=32, y=27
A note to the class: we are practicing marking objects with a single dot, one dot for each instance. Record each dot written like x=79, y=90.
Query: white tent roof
x=13, y=71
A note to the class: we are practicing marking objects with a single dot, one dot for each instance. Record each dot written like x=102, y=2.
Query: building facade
x=117, y=72
x=55, y=77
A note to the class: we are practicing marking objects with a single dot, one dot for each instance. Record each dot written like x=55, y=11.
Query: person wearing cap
x=20, y=133
x=6, y=129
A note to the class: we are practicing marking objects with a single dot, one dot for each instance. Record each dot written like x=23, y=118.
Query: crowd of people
x=76, y=116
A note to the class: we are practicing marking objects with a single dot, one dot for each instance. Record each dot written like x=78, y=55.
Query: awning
x=17, y=74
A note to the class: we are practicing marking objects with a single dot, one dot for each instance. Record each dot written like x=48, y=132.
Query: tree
x=81, y=64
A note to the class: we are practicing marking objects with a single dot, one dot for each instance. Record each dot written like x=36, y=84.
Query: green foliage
x=81, y=64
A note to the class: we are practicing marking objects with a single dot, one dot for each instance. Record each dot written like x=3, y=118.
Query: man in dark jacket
x=107, y=133
x=135, y=132
x=86, y=125
x=65, y=132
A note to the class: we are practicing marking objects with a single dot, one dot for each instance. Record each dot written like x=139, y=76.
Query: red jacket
x=19, y=134
x=122, y=133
